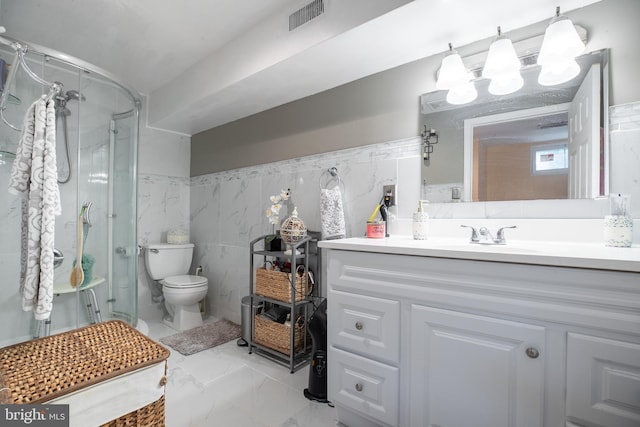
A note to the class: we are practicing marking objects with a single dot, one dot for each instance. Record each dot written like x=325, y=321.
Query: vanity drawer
x=366, y=325
x=364, y=385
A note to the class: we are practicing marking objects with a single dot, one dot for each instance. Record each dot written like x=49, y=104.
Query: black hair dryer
x=318, y=367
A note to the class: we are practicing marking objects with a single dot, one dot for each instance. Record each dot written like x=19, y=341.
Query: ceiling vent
x=306, y=14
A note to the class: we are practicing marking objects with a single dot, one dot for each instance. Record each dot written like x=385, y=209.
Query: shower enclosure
x=96, y=153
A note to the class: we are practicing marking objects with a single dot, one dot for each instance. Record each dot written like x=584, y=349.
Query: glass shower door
x=122, y=216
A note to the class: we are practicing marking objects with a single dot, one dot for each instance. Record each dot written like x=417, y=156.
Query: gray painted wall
x=385, y=106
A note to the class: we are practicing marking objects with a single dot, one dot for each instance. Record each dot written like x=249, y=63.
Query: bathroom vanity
x=446, y=333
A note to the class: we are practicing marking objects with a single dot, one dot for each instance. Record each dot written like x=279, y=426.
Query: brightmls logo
x=34, y=415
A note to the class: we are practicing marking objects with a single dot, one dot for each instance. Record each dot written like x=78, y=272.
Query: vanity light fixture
x=502, y=67
x=551, y=51
x=463, y=93
x=452, y=70
x=560, y=47
x=455, y=78
x=429, y=139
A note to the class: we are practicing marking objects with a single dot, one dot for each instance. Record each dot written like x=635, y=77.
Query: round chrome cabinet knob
x=532, y=352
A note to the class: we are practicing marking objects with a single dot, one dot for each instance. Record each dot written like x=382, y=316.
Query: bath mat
x=203, y=337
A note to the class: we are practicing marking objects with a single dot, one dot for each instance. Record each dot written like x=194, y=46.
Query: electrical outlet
x=389, y=195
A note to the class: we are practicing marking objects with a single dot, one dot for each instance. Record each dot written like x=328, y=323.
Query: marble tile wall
x=225, y=211
x=227, y=208
x=624, y=133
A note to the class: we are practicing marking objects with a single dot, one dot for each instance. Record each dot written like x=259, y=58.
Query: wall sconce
x=502, y=67
x=429, y=139
x=456, y=79
x=560, y=46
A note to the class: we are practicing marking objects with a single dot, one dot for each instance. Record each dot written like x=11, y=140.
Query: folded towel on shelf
x=34, y=177
x=332, y=213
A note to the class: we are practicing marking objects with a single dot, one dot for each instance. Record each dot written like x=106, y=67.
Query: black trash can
x=317, y=389
x=246, y=314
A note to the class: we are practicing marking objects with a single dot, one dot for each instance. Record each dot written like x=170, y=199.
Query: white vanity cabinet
x=438, y=342
x=469, y=370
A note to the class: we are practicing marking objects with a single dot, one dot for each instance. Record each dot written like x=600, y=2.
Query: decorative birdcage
x=292, y=230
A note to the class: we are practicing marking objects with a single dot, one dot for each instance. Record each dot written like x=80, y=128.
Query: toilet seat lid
x=185, y=281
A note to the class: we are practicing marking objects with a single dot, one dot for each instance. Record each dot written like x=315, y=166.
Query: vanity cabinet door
x=469, y=370
x=603, y=381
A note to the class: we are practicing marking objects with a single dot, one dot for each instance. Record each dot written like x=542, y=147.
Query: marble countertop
x=563, y=254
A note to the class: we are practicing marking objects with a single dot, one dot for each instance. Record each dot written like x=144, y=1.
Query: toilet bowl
x=168, y=264
x=182, y=295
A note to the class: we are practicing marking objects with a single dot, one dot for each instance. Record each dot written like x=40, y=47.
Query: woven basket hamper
x=55, y=367
x=277, y=335
x=277, y=285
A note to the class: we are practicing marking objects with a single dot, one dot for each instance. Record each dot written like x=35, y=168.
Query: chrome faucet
x=483, y=236
x=500, y=239
x=474, y=234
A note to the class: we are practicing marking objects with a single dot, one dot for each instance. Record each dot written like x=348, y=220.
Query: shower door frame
x=131, y=250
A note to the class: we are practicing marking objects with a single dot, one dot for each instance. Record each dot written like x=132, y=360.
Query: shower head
x=74, y=94
x=61, y=101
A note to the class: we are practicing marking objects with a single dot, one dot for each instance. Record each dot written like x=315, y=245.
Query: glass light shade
x=452, y=72
x=462, y=94
x=558, y=73
x=506, y=84
x=502, y=59
x=561, y=42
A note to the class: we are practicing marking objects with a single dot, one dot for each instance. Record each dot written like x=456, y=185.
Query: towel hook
x=333, y=172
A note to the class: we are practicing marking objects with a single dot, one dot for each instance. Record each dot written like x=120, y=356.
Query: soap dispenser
x=421, y=221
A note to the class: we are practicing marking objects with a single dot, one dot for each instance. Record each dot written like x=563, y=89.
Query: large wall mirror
x=542, y=142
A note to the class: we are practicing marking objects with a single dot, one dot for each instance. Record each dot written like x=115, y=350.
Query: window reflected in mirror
x=521, y=159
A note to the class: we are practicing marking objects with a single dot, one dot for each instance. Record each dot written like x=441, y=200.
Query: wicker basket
x=276, y=335
x=41, y=370
x=151, y=415
x=277, y=285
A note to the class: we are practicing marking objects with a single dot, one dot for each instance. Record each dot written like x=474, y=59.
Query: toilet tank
x=164, y=260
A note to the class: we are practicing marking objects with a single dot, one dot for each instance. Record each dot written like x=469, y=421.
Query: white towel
x=34, y=176
x=332, y=213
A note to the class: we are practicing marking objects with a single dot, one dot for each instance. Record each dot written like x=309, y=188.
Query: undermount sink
x=456, y=244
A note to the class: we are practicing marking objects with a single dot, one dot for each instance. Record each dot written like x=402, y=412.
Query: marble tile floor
x=226, y=386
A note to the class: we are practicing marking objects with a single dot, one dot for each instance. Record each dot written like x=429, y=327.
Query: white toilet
x=168, y=263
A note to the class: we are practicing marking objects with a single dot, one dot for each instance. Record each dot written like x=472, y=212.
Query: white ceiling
x=203, y=63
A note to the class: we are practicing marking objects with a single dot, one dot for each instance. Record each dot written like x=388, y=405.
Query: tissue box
x=177, y=236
